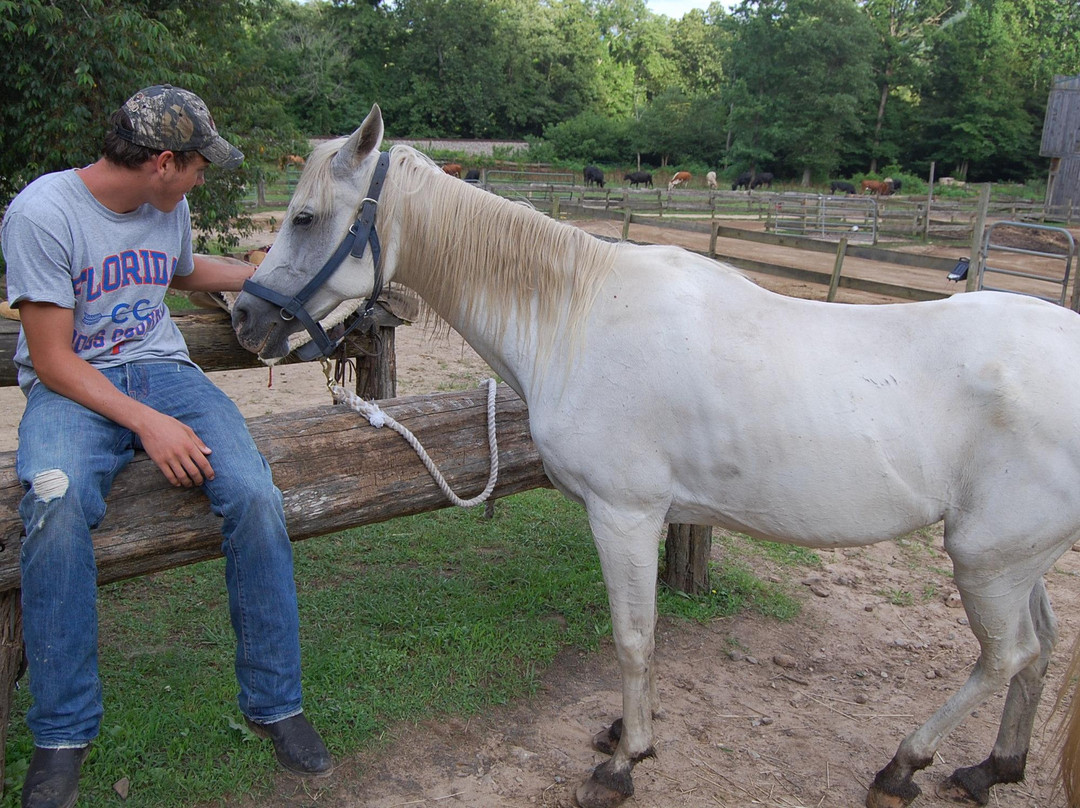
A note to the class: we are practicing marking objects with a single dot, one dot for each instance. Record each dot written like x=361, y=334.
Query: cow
x=636, y=178
x=593, y=176
x=472, y=175
x=877, y=187
x=742, y=181
x=453, y=169
x=678, y=179
x=840, y=185
x=895, y=184
x=710, y=180
x=290, y=161
x=764, y=178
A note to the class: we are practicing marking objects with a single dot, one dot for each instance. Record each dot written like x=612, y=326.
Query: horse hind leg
x=1008, y=758
x=1009, y=644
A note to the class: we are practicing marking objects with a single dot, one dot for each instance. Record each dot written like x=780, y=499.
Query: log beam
x=335, y=472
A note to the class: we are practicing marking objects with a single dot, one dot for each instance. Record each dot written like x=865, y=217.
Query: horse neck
x=502, y=275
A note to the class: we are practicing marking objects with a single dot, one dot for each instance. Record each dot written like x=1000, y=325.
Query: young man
x=90, y=253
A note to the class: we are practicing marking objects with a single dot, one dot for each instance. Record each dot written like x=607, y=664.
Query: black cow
x=840, y=185
x=764, y=178
x=896, y=185
x=473, y=175
x=594, y=175
x=743, y=181
x=636, y=178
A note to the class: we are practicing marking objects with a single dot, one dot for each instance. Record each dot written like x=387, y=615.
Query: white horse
x=666, y=387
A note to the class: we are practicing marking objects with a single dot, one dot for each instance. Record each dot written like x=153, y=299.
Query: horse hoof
x=955, y=791
x=876, y=798
x=592, y=794
x=607, y=740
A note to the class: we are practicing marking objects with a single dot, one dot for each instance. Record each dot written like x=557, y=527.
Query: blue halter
x=361, y=233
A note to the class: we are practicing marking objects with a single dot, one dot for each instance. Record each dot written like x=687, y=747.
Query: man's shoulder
x=47, y=192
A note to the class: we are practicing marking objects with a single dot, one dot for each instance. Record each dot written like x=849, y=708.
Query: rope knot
x=377, y=418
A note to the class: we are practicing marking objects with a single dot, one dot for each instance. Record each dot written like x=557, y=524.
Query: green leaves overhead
x=806, y=89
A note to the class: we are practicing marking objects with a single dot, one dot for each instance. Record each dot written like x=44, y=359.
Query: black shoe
x=297, y=746
x=52, y=781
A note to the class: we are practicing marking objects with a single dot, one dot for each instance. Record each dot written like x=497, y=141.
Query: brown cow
x=876, y=187
x=453, y=169
x=290, y=160
x=679, y=178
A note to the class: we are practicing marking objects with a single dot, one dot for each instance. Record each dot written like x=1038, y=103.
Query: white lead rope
x=378, y=419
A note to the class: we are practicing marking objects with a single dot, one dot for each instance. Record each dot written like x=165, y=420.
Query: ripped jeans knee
x=49, y=484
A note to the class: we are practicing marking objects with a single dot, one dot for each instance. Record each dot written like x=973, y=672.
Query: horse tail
x=1068, y=731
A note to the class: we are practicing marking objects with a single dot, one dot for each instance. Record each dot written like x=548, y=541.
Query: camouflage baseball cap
x=167, y=118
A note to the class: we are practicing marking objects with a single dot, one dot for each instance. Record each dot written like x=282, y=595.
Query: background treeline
x=806, y=89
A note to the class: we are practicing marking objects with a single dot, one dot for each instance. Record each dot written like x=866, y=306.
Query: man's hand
x=177, y=451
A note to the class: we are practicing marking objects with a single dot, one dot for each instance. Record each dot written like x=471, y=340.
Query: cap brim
x=222, y=154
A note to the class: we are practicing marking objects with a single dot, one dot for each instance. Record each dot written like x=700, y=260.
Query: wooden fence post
x=686, y=558
x=11, y=656
x=977, y=258
x=834, y=281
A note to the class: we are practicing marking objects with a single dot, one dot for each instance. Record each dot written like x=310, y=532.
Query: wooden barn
x=1061, y=143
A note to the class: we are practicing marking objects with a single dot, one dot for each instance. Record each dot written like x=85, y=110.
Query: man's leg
x=258, y=568
x=66, y=461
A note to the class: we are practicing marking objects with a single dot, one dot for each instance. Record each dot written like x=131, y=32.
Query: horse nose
x=239, y=314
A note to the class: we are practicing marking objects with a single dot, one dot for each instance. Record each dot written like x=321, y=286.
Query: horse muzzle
x=260, y=328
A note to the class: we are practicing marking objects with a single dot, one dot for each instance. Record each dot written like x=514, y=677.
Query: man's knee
x=49, y=484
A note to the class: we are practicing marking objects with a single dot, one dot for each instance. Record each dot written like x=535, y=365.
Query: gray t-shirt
x=62, y=246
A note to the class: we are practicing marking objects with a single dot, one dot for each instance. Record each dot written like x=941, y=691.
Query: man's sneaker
x=297, y=746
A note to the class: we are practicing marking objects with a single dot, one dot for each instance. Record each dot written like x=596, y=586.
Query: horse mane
x=473, y=239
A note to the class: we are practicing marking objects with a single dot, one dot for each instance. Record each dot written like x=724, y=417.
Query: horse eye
x=303, y=219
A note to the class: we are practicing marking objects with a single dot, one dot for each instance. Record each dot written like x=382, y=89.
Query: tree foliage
x=804, y=88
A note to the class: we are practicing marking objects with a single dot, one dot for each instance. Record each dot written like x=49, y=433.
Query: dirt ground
x=757, y=713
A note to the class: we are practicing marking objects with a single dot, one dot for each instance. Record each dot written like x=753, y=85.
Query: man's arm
x=214, y=274
x=173, y=446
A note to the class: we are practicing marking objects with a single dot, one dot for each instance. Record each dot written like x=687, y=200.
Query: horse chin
x=275, y=347
x=269, y=345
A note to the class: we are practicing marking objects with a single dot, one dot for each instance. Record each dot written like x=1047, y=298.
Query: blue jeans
x=67, y=459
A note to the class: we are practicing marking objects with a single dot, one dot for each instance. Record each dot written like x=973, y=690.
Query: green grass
x=441, y=613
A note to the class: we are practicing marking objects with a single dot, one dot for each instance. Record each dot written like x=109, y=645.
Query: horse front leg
x=629, y=563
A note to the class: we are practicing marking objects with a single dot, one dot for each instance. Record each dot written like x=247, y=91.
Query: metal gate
x=1053, y=287
x=828, y=217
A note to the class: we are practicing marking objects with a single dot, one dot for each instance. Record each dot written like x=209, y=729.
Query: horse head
x=327, y=250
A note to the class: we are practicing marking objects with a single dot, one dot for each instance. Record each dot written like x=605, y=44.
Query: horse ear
x=361, y=143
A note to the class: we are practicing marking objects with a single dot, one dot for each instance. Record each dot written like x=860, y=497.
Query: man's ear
x=164, y=160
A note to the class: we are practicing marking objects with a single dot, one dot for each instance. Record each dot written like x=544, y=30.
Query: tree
x=973, y=102
x=66, y=66
x=800, y=74
x=825, y=55
x=69, y=64
x=902, y=28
